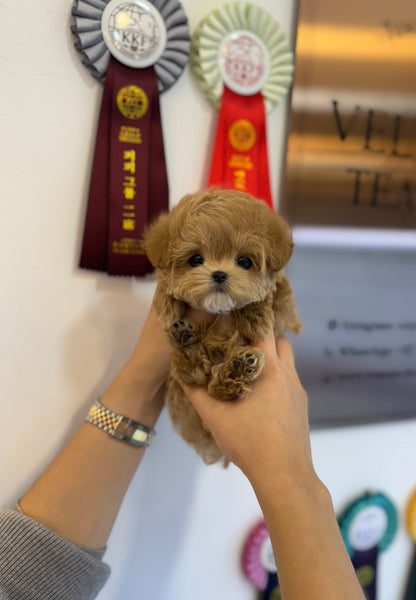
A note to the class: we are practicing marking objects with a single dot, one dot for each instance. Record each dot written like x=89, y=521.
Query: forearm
x=80, y=494
x=310, y=555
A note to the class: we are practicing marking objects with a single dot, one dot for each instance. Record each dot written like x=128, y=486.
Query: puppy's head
x=219, y=250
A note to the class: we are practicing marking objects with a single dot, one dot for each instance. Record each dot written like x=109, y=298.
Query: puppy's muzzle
x=219, y=276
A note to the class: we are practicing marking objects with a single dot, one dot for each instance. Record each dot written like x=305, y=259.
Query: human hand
x=138, y=389
x=150, y=361
x=267, y=431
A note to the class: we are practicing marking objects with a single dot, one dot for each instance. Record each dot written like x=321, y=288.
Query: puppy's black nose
x=219, y=276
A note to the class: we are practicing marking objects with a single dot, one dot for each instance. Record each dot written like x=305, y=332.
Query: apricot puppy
x=222, y=252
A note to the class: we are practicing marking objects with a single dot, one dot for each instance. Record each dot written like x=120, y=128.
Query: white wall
x=64, y=332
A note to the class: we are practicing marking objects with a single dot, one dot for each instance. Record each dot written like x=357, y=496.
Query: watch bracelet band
x=120, y=427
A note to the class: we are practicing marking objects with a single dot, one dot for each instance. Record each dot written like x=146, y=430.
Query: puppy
x=222, y=252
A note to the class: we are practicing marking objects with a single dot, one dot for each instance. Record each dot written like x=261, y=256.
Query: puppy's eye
x=244, y=262
x=196, y=260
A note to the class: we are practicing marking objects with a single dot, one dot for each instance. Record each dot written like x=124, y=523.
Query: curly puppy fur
x=222, y=252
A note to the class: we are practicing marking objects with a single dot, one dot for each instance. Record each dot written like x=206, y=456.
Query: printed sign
x=352, y=147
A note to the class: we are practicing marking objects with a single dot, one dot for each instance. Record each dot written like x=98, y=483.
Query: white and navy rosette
x=138, y=33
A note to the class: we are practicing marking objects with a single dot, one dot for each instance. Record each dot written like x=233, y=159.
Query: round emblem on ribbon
x=134, y=32
x=242, y=135
x=241, y=45
x=243, y=64
x=132, y=102
x=139, y=48
x=138, y=33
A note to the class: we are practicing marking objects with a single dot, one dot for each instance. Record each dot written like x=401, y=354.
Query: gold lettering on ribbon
x=130, y=135
x=241, y=161
x=240, y=180
x=129, y=190
x=127, y=246
x=132, y=103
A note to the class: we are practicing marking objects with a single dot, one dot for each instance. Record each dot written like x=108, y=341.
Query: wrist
x=135, y=395
x=290, y=492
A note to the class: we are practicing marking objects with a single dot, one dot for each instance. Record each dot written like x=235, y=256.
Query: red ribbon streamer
x=129, y=186
x=240, y=159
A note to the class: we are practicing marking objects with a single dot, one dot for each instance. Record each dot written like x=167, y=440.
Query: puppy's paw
x=232, y=379
x=248, y=364
x=183, y=333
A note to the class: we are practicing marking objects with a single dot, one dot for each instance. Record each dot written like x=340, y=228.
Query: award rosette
x=139, y=48
x=243, y=64
x=368, y=526
x=410, y=593
x=258, y=562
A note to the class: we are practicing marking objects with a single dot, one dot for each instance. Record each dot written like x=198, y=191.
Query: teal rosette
x=378, y=501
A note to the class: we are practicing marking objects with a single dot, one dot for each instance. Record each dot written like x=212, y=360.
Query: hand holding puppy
x=267, y=431
x=223, y=252
x=266, y=434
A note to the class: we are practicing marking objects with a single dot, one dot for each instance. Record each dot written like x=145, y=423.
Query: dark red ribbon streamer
x=240, y=161
x=128, y=186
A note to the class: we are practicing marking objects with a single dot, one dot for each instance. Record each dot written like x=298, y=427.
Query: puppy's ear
x=156, y=242
x=280, y=244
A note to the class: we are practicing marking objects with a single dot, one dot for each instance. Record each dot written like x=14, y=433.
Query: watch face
x=134, y=32
x=244, y=62
x=140, y=436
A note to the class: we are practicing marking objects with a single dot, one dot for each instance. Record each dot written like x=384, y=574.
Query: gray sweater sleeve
x=37, y=564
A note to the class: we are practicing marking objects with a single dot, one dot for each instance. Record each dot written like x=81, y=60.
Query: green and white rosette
x=243, y=64
x=217, y=36
x=368, y=526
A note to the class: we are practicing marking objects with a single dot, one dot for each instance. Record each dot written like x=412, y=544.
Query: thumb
x=206, y=406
